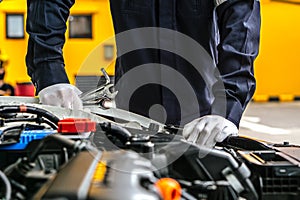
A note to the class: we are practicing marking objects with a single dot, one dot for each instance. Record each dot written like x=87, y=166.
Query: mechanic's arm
x=46, y=26
x=239, y=29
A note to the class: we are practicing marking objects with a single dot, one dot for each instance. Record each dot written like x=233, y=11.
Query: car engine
x=48, y=152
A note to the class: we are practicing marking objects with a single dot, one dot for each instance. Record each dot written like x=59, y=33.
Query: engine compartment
x=54, y=153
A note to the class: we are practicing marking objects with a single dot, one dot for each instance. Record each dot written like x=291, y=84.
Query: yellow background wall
x=86, y=56
x=15, y=48
x=82, y=56
x=277, y=67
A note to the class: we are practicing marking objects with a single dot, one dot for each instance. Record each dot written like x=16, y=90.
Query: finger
x=50, y=99
x=198, y=132
x=66, y=104
x=204, y=134
x=224, y=134
x=202, y=137
x=192, y=137
x=66, y=98
x=188, y=128
x=212, y=129
x=214, y=132
x=78, y=105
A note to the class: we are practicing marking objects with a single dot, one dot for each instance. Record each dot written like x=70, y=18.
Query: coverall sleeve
x=239, y=32
x=46, y=26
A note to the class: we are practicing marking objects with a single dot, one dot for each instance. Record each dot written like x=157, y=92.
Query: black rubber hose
x=29, y=109
x=120, y=132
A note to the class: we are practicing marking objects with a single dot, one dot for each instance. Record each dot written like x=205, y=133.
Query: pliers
x=100, y=94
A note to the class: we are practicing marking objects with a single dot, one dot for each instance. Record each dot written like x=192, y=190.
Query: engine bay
x=48, y=152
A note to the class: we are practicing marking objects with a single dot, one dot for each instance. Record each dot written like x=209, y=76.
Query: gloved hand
x=208, y=130
x=63, y=95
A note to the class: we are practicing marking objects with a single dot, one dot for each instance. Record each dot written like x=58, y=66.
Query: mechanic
x=233, y=45
x=5, y=88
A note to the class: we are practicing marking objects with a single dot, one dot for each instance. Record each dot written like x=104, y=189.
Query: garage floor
x=272, y=121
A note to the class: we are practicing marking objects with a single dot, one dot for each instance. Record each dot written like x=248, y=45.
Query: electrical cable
x=7, y=185
x=29, y=109
x=37, y=120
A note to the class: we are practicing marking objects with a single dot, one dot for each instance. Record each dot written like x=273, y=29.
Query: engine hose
x=7, y=185
x=29, y=109
x=120, y=132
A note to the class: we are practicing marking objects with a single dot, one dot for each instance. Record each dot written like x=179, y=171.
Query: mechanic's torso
x=164, y=62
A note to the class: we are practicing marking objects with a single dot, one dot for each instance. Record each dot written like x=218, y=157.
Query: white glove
x=63, y=95
x=208, y=130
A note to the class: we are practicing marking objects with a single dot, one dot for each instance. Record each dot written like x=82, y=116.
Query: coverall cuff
x=49, y=75
x=234, y=112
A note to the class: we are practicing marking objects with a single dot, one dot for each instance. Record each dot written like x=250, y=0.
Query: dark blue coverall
x=238, y=23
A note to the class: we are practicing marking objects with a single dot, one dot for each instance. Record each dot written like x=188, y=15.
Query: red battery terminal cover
x=76, y=125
